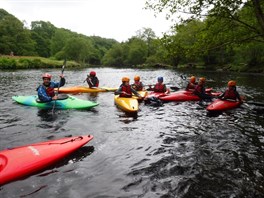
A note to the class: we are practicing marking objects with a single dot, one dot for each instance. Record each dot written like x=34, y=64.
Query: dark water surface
x=176, y=150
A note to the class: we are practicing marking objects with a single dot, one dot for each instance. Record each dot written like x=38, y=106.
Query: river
x=175, y=150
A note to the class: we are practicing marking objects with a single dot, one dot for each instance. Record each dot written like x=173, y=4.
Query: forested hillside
x=225, y=39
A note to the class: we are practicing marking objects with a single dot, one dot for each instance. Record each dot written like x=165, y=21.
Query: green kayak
x=69, y=102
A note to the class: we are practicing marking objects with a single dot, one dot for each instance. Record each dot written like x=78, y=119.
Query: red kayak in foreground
x=16, y=163
x=222, y=105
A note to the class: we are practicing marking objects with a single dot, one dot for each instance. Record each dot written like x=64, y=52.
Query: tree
x=59, y=40
x=42, y=32
x=78, y=49
x=147, y=35
x=213, y=8
x=13, y=36
x=114, y=56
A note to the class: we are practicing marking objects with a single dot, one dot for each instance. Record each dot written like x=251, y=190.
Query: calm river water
x=176, y=150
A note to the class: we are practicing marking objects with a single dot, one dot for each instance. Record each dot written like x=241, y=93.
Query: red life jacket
x=138, y=86
x=198, y=89
x=159, y=88
x=126, y=89
x=50, y=91
x=190, y=86
x=230, y=94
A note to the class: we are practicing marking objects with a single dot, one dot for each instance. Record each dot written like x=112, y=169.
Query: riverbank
x=35, y=62
x=32, y=62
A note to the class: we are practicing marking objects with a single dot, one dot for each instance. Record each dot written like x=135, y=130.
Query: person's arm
x=59, y=84
x=62, y=81
x=238, y=96
x=221, y=95
x=89, y=81
x=42, y=95
x=135, y=92
x=97, y=82
x=118, y=91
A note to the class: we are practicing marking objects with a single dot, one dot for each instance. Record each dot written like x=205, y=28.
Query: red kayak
x=181, y=96
x=222, y=105
x=16, y=163
x=156, y=94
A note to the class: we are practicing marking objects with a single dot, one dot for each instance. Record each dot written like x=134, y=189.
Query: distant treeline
x=194, y=43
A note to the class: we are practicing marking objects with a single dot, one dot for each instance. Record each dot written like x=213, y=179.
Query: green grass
x=32, y=62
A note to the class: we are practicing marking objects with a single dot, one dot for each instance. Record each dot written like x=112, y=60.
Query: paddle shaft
x=62, y=70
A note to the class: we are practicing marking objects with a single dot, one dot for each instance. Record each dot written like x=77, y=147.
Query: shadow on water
x=48, y=115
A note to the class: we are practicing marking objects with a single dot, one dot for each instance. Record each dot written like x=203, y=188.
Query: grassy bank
x=32, y=62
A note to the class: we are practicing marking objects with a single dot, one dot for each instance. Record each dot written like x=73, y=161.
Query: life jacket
x=50, y=91
x=230, y=94
x=190, y=86
x=199, y=89
x=126, y=89
x=93, y=81
x=138, y=86
x=159, y=88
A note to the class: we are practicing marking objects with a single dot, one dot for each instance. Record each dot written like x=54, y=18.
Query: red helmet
x=46, y=75
x=92, y=73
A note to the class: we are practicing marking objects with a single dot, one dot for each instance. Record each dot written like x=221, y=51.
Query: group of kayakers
x=198, y=88
x=46, y=91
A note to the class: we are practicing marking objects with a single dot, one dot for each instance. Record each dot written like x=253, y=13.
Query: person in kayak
x=231, y=92
x=200, y=90
x=137, y=85
x=46, y=90
x=126, y=90
x=160, y=87
x=191, y=84
x=92, y=79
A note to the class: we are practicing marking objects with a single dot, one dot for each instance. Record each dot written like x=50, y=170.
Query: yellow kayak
x=84, y=89
x=128, y=105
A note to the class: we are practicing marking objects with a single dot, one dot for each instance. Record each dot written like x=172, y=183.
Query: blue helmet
x=160, y=79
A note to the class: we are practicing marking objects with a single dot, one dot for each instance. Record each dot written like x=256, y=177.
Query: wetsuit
x=45, y=93
x=128, y=89
x=92, y=81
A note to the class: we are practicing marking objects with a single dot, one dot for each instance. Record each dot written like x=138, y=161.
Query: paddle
x=57, y=92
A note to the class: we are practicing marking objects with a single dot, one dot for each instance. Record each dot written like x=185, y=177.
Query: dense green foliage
x=32, y=62
x=216, y=34
x=228, y=34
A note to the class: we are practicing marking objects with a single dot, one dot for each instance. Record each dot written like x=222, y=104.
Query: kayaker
x=200, y=90
x=231, y=92
x=92, y=79
x=137, y=85
x=160, y=87
x=46, y=90
x=191, y=84
x=126, y=90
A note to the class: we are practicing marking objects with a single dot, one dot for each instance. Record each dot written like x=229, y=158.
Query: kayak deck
x=128, y=105
x=84, y=89
x=19, y=162
x=68, y=103
x=222, y=105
